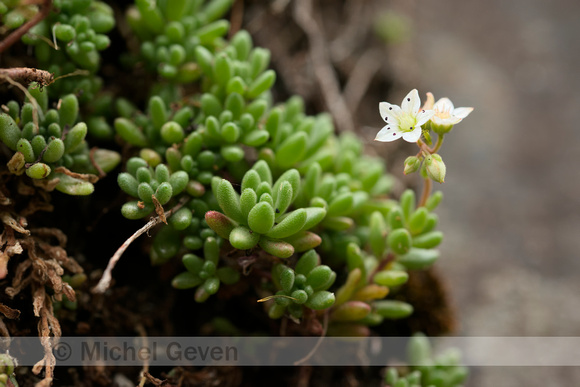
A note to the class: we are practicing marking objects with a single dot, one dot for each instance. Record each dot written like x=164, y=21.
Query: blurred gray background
x=512, y=194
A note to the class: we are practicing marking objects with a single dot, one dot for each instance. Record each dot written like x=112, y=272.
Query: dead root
x=43, y=261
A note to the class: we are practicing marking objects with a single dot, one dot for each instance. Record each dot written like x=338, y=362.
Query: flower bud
x=435, y=168
x=412, y=164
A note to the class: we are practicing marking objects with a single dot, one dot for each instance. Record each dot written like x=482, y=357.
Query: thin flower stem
x=427, y=186
x=438, y=144
x=425, y=147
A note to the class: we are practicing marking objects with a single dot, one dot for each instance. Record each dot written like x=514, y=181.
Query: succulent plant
x=50, y=146
x=238, y=178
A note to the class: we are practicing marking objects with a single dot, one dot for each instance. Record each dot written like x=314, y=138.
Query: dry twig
x=26, y=75
x=105, y=280
x=318, y=342
x=360, y=78
x=145, y=371
x=45, y=8
x=81, y=176
x=323, y=69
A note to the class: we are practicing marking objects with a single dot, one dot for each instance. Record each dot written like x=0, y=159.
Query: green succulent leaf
x=290, y=225
x=277, y=248
x=261, y=217
x=320, y=300
x=243, y=238
x=229, y=201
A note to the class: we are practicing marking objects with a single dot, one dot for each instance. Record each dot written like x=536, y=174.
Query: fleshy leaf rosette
x=259, y=216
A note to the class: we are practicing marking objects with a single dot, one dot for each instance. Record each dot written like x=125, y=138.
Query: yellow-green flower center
x=443, y=113
x=407, y=123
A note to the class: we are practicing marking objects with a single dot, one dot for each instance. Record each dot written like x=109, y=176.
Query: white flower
x=404, y=121
x=446, y=115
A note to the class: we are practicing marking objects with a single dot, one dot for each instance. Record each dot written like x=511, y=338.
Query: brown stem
x=18, y=33
x=237, y=17
x=426, y=192
x=95, y=164
x=27, y=75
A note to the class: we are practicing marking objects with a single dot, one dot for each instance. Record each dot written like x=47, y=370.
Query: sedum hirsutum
x=50, y=145
x=69, y=39
x=426, y=369
x=263, y=180
x=248, y=180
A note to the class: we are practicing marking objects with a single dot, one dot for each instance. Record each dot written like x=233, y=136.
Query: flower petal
x=445, y=121
x=444, y=105
x=389, y=112
x=429, y=102
x=413, y=136
x=424, y=116
x=412, y=102
x=462, y=112
x=388, y=133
